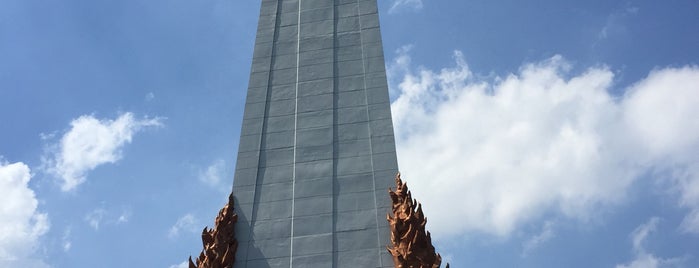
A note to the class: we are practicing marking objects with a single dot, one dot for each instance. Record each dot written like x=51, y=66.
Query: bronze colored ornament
x=411, y=244
x=219, y=243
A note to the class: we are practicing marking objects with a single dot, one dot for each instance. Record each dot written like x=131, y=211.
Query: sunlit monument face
x=317, y=151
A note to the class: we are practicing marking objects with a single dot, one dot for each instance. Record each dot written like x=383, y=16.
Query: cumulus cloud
x=213, y=173
x=187, y=223
x=644, y=259
x=184, y=264
x=507, y=150
x=405, y=4
x=21, y=225
x=94, y=218
x=89, y=143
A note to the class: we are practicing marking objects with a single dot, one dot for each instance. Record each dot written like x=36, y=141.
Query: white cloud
x=507, y=150
x=213, y=173
x=644, y=259
x=67, y=244
x=21, y=225
x=150, y=96
x=89, y=143
x=186, y=223
x=94, y=218
x=535, y=241
x=405, y=4
x=184, y=264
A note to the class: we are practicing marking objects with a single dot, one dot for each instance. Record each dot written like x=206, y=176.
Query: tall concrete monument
x=317, y=151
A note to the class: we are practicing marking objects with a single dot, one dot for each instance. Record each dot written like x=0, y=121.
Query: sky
x=535, y=133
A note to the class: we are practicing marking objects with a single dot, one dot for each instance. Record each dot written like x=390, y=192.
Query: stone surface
x=219, y=243
x=317, y=139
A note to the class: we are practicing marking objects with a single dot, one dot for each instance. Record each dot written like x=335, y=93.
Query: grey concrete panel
x=284, y=61
x=313, y=4
x=314, y=153
x=274, y=174
x=254, y=110
x=259, y=79
x=248, y=159
x=374, y=64
x=318, y=14
x=367, y=7
x=245, y=176
x=377, y=79
x=383, y=144
x=352, y=131
x=351, y=99
x=353, y=183
x=318, y=28
x=321, y=260
x=290, y=6
x=271, y=229
x=350, y=68
x=281, y=107
x=314, y=137
x=315, y=72
x=287, y=33
x=288, y=19
x=284, y=76
x=313, y=206
x=314, y=187
x=278, y=140
x=256, y=94
x=245, y=194
x=357, y=240
x=315, y=87
x=355, y=201
x=352, y=115
x=315, y=43
x=313, y=244
x=385, y=161
x=351, y=83
x=314, y=170
x=261, y=64
x=280, y=123
x=347, y=10
x=379, y=111
x=385, y=179
x=372, y=49
x=355, y=220
x=352, y=148
x=272, y=210
x=251, y=126
x=377, y=95
x=353, y=165
x=283, y=92
x=268, y=263
x=371, y=35
x=369, y=20
x=358, y=258
x=264, y=36
x=262, y=50
x=346, y=53
x=316, y=57
x=348, y=24
x=348, y=39
x=315, y=119
x=315, y=224
x=285, y=47
x=381, y=127
x=275, y=157
x=269, y=249
x=249, y=143
x=315, y=103
x=275, y=191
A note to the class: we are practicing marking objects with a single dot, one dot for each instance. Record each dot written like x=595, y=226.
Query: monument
x=317, y=151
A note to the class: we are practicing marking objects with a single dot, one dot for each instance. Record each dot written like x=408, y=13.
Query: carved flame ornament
x=411, y=244
x=219, y=243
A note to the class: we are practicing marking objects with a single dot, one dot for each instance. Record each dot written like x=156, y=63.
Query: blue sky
x=536, y=134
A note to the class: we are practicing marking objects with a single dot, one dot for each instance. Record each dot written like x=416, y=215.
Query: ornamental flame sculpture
x=219, y=243
x=411, y=244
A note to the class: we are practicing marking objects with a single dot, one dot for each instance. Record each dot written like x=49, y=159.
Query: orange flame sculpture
x=411, y=244
x=219, y=243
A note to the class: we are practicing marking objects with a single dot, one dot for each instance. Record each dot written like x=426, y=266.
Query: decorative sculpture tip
x=219, y=243
x=411, y=246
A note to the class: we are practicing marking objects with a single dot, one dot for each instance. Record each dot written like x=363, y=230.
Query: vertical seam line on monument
x=336, y=155
x=275, y=37
x=296, y=117
x=371, y=149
